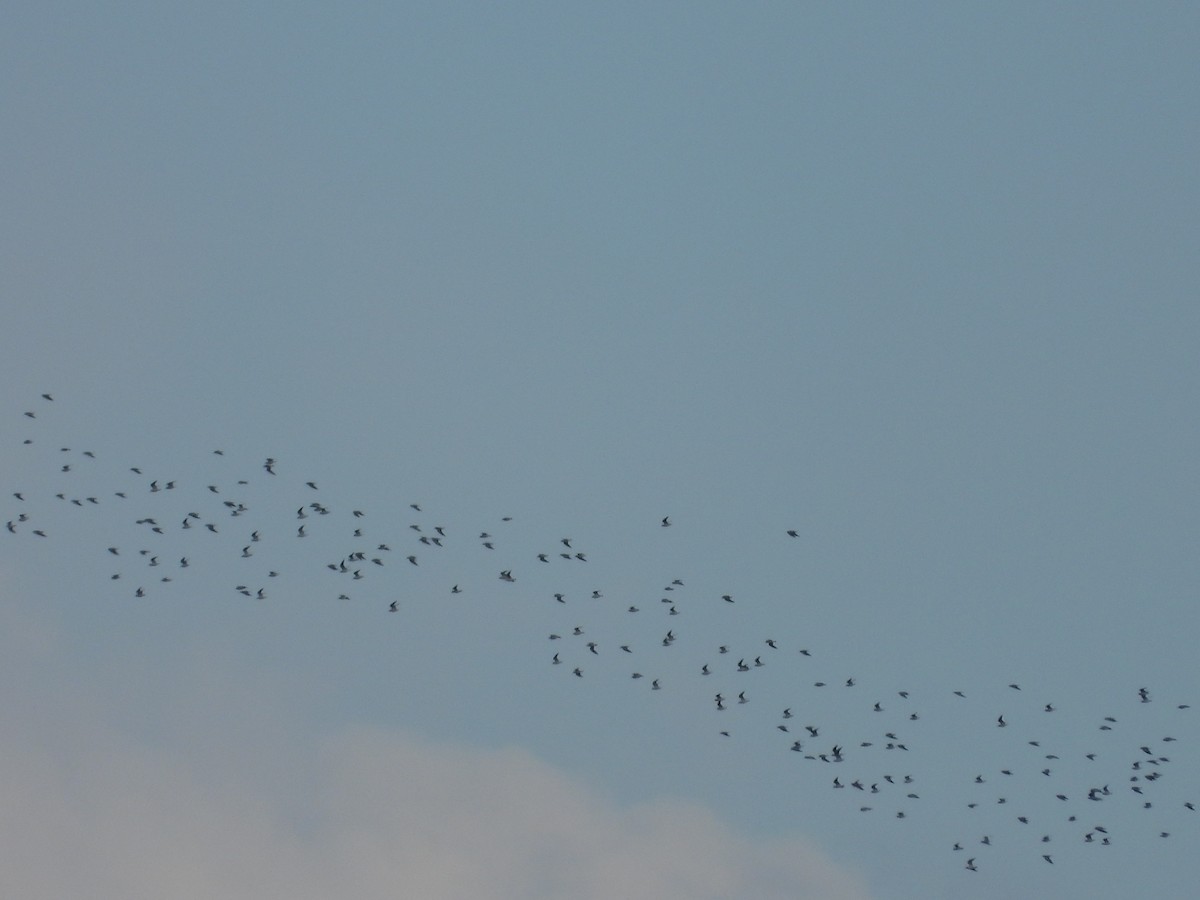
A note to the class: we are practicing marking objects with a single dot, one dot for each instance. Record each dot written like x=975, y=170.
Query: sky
x=917, y=283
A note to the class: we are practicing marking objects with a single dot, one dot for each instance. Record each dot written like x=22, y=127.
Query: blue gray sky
x=916, y=282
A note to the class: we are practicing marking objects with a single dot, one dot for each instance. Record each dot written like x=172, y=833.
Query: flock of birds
x=1047, y=792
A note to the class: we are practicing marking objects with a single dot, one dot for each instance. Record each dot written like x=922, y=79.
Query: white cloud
x=90, y=809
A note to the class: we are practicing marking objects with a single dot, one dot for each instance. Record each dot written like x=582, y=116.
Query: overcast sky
x=918, y=283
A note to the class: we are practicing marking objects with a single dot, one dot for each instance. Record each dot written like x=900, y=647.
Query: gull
x=393, y=608
x=666, y=522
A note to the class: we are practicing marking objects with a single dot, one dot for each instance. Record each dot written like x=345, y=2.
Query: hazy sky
x=916, y=281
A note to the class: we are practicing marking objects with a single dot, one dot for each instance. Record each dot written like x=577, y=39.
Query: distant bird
x=666, y=521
